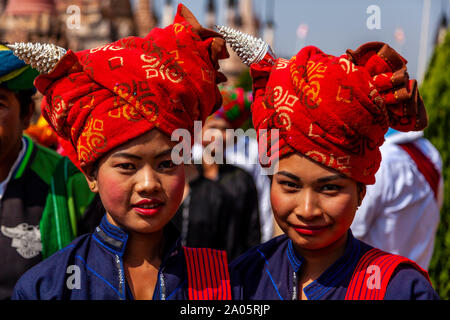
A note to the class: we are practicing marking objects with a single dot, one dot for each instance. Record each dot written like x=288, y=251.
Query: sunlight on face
x=312, y=204
x=139, y=185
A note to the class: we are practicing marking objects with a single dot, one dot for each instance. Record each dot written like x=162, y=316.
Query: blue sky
x=336, y=25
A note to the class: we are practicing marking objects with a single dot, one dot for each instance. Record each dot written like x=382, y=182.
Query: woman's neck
x=144, y=249
x=142, y=260
x=318, y=261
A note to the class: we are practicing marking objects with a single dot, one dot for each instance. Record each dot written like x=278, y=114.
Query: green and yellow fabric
x=15, y=75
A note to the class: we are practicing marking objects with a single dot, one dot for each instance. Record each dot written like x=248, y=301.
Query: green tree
x=435, y=91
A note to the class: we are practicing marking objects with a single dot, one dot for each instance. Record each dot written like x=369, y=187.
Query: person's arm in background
x=371, y=206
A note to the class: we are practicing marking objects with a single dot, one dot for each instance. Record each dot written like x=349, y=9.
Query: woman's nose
x=308, y=207
x=148, y=181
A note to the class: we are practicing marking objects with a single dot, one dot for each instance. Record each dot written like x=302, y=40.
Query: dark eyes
x=331, y=187
x=129, y=167
x=290, y=186
x=167, y=164
x=126, y=166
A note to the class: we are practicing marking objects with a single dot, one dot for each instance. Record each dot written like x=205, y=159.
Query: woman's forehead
x=302, y=166
x=151, y=143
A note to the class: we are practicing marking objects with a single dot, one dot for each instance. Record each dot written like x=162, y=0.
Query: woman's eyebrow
x=164, y=153
x=289, y=175
x=331, y=178
x=320, y=180
x=126, y=155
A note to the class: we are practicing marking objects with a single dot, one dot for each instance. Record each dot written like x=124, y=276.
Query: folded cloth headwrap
x=336, y=110
x=15, y=75
x=100, y=98
x=235, y=107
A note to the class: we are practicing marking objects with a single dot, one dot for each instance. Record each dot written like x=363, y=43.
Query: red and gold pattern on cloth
x=98, y=99
x=334, y=111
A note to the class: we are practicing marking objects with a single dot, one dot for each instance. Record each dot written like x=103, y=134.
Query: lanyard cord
x=162, y=286
x=185, y=220
x=294, y=286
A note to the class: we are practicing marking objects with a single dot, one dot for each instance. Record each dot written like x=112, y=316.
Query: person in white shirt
x=400, y=212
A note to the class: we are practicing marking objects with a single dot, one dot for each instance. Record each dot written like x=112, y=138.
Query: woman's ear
x=91, y=178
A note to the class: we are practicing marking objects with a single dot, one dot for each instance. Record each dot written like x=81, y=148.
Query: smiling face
x=312, y=204
x=139, y=185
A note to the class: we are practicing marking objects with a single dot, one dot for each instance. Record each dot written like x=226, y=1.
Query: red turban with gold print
x=100, y=98
x=336, y=110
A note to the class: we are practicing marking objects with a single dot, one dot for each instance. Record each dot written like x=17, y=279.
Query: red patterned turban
x=336, y=110
x=100, y=98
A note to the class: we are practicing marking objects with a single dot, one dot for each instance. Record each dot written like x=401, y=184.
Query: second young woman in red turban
x=331, y=114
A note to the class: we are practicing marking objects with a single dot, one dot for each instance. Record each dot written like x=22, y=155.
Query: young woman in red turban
x=115, y=108
x=332, y=114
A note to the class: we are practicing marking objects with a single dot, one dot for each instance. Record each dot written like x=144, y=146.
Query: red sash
x=372, y=274
x=208, y=277
x=424, y=164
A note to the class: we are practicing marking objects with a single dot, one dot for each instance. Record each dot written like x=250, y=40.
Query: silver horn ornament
x=249, y=48
x=41, y=56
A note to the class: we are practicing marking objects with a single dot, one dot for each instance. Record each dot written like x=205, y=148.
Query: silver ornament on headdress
x=41, y=56
x=249, y=48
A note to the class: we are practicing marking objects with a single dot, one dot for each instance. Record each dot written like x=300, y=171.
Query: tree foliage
x=435, y=91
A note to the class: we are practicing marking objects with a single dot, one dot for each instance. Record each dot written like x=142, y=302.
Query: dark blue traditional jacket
x=270, y=272
x=91, y=268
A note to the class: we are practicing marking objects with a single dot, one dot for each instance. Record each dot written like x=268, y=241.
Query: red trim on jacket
x=208, y=277
x=372, y=274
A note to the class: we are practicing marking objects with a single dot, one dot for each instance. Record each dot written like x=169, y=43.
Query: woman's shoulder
x=407, y=280
x=409, y=283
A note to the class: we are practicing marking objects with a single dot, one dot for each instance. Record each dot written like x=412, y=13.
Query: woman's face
x=139, y=185
x=312, y=204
